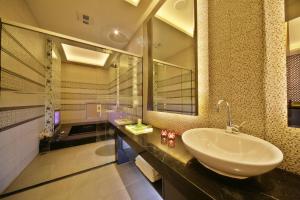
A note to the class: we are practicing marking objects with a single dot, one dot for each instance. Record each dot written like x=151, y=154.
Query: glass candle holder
x=164, y=136
x=171, y=139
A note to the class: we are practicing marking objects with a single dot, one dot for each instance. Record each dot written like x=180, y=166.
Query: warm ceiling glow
x=86, y=56
x=133, y=2
x=294, y=35
x=180, y=17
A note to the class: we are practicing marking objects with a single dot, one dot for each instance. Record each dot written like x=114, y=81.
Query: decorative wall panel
x=49, y=91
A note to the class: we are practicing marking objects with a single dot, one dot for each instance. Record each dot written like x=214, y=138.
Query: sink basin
x=234, y=155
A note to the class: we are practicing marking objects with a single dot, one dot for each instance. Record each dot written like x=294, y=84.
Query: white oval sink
x=234, y=155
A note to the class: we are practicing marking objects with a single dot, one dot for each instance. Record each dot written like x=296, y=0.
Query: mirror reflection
x=172, y=58
x=293, y=62
x=66, y=93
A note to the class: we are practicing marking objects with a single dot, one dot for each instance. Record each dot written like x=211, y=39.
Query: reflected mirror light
x=85, y=56
x=294, y=35
x=292, y=14
x=178, y=14
x=133, y=2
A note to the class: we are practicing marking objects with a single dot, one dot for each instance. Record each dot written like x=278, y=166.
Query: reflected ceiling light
x=116, y=32
x=133, y=2
x=179, y=4
x=85, y=56
x=117, y=36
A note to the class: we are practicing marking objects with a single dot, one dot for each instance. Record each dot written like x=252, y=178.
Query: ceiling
x=167, y=40
x=179, y=14
x=173, y=29
x=105, y=16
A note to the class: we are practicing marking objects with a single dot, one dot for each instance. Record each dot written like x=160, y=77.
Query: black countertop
x=193, y=179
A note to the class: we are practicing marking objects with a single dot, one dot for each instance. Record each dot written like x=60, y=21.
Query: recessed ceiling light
x=116, y=32
x=179, y=4
x=133, y=2
x=117, y=36
x=85, y=56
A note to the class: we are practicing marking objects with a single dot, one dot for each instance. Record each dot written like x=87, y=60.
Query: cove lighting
x=179, y=16
x=133, y=2
x=86, y=56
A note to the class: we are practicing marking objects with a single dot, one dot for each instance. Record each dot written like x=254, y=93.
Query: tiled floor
x=64, y=162
x=113, y=181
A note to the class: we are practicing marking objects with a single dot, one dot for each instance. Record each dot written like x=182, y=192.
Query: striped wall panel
x=19, y=83
x=14, y=116
x=174, y=89
x=14, y=47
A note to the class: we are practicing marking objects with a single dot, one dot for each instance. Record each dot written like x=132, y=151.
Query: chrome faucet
x=230, y=127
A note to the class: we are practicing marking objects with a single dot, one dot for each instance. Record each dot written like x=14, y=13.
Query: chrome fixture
x=230, y=127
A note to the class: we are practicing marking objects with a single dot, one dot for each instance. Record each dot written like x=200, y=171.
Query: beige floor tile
x=33, y=194
x=104, y=183
x=63, y=162
x=121, y=194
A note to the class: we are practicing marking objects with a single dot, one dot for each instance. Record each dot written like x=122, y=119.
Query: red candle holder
x=171, y=139
x=164, y=136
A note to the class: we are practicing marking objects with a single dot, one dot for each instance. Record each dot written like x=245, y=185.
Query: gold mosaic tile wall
x=277, y=132
x=236, y=63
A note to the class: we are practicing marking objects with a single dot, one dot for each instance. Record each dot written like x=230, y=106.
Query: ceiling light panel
x=85, y=56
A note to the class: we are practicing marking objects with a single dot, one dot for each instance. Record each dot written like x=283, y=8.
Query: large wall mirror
x=172, y=42
x=292, y=10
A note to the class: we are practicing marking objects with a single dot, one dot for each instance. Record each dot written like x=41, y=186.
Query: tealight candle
x=164, y=136
x=171, y=139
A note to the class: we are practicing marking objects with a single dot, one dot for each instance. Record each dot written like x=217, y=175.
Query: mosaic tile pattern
x=56, y=75
x=277, y=132
x=9, y=118
x=49, y=90
x=293, y=77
